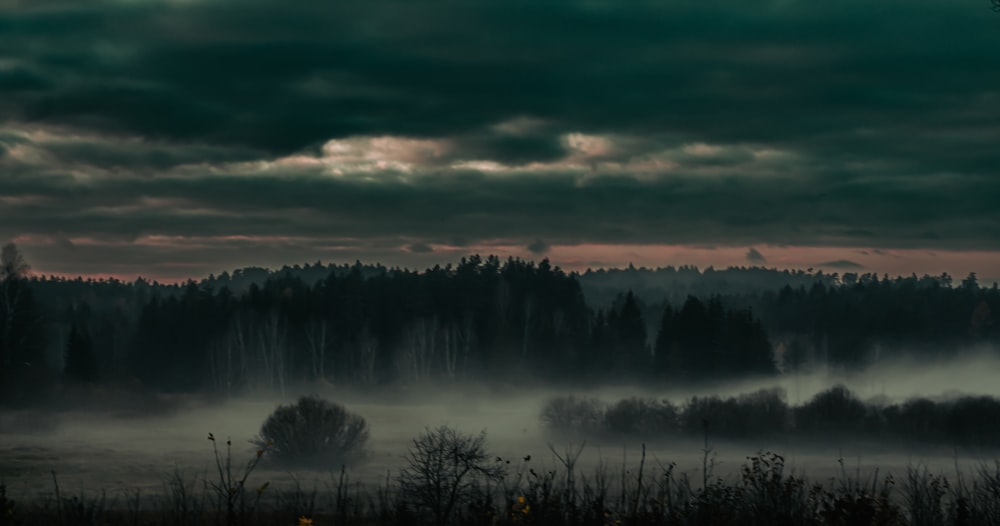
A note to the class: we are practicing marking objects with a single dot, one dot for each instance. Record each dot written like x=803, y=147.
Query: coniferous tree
x=23, y=368
x=20, y=322
x=665, y=359
x=484, y=317
x=630, y=336
x=694, y=337
x=81, y=364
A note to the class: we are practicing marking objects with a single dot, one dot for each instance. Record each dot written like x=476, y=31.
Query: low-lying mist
x=973, y=372
x=100, y=449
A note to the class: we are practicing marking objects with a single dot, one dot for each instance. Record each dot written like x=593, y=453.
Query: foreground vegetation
x=451, y=478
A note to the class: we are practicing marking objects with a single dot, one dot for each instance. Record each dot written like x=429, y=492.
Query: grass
x=522, y=491
x=646, y=492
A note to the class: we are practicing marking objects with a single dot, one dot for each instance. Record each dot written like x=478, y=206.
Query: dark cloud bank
x=762, y=122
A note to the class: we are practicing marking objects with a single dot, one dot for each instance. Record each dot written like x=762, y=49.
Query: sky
x=174, y=138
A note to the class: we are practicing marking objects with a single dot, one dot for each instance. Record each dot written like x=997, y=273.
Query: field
x=120, y=467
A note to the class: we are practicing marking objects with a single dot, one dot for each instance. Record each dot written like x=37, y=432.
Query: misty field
x=119, y=467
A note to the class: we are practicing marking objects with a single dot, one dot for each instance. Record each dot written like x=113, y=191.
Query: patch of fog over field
x=95, y=451
x=972, y=373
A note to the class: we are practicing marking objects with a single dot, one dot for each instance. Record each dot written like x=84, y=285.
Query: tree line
x=835, y=412
x=483, y=318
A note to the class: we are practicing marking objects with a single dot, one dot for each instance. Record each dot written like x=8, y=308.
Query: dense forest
x=482, y=318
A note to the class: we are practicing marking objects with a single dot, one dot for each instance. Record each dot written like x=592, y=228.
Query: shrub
x=835, y=410
x=974, y=420
x=759, y=413
x=763, y=412
x=313, y=432
x=772, y=496
x=8, y=513
x=638, y=416
x=572, y=414
x=443, y=472
x=918, y=418
x=722, y=416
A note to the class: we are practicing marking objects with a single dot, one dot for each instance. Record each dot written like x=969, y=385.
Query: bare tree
x=458, y=336
x=12, y=264
x=228, y=365
x=529, y=311
x=12, y=270
x=420, y=341
x=444, y=468
x=316, y=339
x=367, y=355
x=274, y=348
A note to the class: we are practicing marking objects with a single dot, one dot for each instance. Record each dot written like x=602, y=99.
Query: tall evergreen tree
x=665, y=359
x=630, y=336
x=19, y=318
x=81, y=364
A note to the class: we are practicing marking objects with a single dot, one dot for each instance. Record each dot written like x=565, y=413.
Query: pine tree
x=81, y=364
x=630, y=335
x=665, y=359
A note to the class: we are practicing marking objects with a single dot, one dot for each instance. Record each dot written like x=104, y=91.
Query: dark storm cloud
x=420, y=248
x=538, y=247
x=557, y=207
x=739, y=123
x=844, y=264
x=267, y=75
x=137, y=156
x=754, y=256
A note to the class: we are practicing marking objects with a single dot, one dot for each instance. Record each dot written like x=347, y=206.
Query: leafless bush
x=836, y=410
x=642, y=417
x=313, y=432
x=444, y=471
x=572, y=414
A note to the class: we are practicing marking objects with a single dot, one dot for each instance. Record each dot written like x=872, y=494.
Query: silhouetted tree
x=628, y=330
x=836, y=410
x=665, y=352
x=22, y=337
x=509, y=320
x=15, y=311
x=81, y=364
x=443, y=471
x=314, y=432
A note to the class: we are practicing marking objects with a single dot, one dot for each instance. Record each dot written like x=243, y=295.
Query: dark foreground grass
x=646, y=493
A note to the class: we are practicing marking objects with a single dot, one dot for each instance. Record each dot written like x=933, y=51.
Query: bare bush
x=642, y=417
x=444, y=471
x=836, y=410
x=764, y=412
x=572, y=414
x=759, y=413
x=974, y=420
x=314, y=432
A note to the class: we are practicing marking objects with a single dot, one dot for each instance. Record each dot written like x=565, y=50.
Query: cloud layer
x=417, y=128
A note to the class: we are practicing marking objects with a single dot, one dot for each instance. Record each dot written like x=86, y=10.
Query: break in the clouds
x=166, y=136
